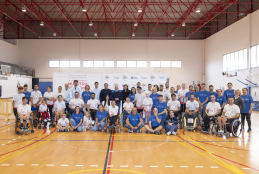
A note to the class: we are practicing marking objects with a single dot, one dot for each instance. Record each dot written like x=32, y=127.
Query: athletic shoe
x=113, y=126
x=174, y=133
x=168, y=133
x=147, y=132
x=242, y=129
x=59, y=130
x=102, y=130
x=66, y=130
x=138, y=131
x=249, y=130
x=130, y=131
x=74, y=130
x=157, y=133
x=39, y=127
x=22, y=129
x=45, y=120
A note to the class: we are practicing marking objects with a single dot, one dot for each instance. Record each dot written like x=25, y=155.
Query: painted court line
x=50, y=165
x=138, y=166
x=63, y=165
x=183, y=166
x=246, y=168
x=109, y=165
x=94, y=165
x=14, y=139
x=199, y=166
x=4, y=164
x=214, y=167
x=79, y=165
x=153, y=166
x=34, y=164
x=168, y=166
x=123, y=166
x=241, y=155
x=19, y=164
x=232, y=152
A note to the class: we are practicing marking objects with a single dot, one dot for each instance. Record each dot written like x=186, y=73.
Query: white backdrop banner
x=112, y=79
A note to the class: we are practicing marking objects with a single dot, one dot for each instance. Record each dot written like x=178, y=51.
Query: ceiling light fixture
x=140, y=10
x=95, y=34
x=84, y=10
x=90, y=24
x=135, y=24
x=42, y=24
x=133, y=34
x=183, y=24
x=54, y=34
x=23, y=9
x=172, y=34
x=198, y=10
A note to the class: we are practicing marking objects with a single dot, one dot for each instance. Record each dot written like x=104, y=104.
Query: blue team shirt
x=101, y=115
x=212, y=93
x=221, y=100
x=176, y=92
x=161, y=107
x=189, y=93
x=134, y=119
x=86, y=96
x=203, y=96
x=229, y=93
x=132, y=97
x=77, y=117
x=153, y=120
x=154, y=98
x=28, y=95
x=247, y=101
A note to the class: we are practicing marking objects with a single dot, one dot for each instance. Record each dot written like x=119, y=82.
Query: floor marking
x=123, y=166
x=19, y=137
x=3, y=144
x=199, y=166
x=204, y=137
x=64, y=165
x=241, y=155
x=35, y=165
x=19, y=164
x=109, y=165
x=79, y=165
x=224, y=148
x=138, y=166
x=183, y=166
x=4, y=164
x=111, y=151
x=130, y=171
x=213, y=142
x=9, y=141
x=214, y=167
x=246, y=168
x=94, y=165
x=50, y=165
x=153, y=166
x=168, y=166
x=14, y=139
x=232, y=152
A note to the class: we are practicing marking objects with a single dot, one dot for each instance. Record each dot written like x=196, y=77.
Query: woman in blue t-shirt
x=77, y=120
x=100, y=119
x=132, y=95
x=246, y=113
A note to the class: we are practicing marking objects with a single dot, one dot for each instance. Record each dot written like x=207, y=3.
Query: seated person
x=161, y=107
x=24, y=111
x=113, y=114
x=100, y=119
x=192, y=109
x=134, y=121
x=76, y=102
x=44, y=111
x=87, y=121
x=127, y=107
x=154, y=123
x=230, y=112
x=174, y=105
x=92, y=105
x=76, y=120
x=171, y=122
x=148, y=104
x=63, y=124
x=59, y=107
x=17, y=100
x=213, y=109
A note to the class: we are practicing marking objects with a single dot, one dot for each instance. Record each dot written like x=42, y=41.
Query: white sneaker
x=168, y=133
x=130, y=131
x=174, y=133
x=45, y=120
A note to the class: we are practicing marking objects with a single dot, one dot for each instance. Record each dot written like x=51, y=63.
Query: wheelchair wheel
x=227, y=134
x=16, y=127
x=35, y=123
x=236, y=128
x=216, y=133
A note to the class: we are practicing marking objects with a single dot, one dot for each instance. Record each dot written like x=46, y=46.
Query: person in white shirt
x=49, y=97
x=63, y=124
x=213, y=109
x=59, y=107
x=149, y=89
x=60, y=93
x=17, y=100
x=172, y=91
x=107, y=103
x=74, y=89
x=24, y=111
x=163, y=93
x=67, y=98
x=139, y=97
x=44, y=111
x=127, y=108
x=74, y=102
x=167, y=90
x=92, y=106
x=96, y=90
x=230, y=112
x=148, y=104
x=87, y=121
x=192, y=109
x=181, y=95
x=174, y=105
x=35, y=98
x=113, y=114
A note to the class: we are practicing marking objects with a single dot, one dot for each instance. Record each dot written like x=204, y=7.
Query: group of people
x=154, y=109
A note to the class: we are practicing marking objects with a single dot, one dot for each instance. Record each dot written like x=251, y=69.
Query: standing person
x=154, y=123
x=74, y=89
x=229, y=92
x=149, y=88
x=92, y=106
x=113, y=114
x=162, y=107
x=187, y=95
x=49, y=97
x=24, y=111
x=96, y=90
x=127, y=108
x=181, y=96
x=171, y=123
x=77, y=119
x=35, y=98
x=60, y=92
x=192, y=109
x=203, y=98
x=163, y=93
x=117, y=96
x=100, y=119
x=104, y=92
x=238, y=100
x=148, y=104
x=67, y=98
x=125, y=93
x=17, y=100
x=26, y=93
x=139, y=85
x=107, y=103
x=154, y=97
x=134, y=121
x=197, y=89
x=178, y=87
x=139, y=97
x=246, y=113
x=86, y=95
x=221, y=100
x=167, y=89
x=174, y=105
x=172, y=91
x=157, y=88
x=132, y=95
x=59, y=107
x=74, y=102
x=211, y=92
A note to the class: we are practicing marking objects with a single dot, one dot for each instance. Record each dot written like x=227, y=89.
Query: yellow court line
x=229, y=167
x=130, y=171
x=28, y=149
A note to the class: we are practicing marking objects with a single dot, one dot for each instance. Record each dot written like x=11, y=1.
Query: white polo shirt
x=164, y=94
x=62, y=122
x=170, y=98
x=128, y=106
x=192, y=105
x=106, y=105
x=231, y=110
x=183, y=92
x=93, y=104
x=24, y=109
x=43, y=108
x=18, y=99
x=59, y=106
x=58, y=94
x=148, y=102
x=213, y=107
x=35, y=96
x=76, y=102
x=49, y=95
x=173, y=105
x=113, y=111
x=139, y=100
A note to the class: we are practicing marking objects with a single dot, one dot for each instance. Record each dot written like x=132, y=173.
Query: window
x=53, y=64
x=98, y=64
x=88, y=63
x=253, y=57
x=131, y=64
x=154, y=64
x=64, y=64
x=109, y=64
x=74, y=64
x=141, y=64
x=236, y=60
x=121, y=64
x=165, y=64
x=176, y=64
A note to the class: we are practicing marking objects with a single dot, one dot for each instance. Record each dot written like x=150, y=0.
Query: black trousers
x=183, y=107
x=93, y=113
x=246, y=116
x=50, y=107
x=113, y=120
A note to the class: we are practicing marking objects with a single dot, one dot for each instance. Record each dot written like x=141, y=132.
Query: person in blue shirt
x=203, y=98
x=86, y=95
x=132, y=95
x=100, y=119
x=154, y=123
x=74, y=89
x=96, y=90
x=187, y=95
x=117, y=96
x=134, y=121
x=171, y=123
x=246, y=113
x=211, y=92
x=229, y=92
x=26, y=93
x=154, y=96
x=77, y=120
x=162, y=107
x=66, y=92
x=221, y=100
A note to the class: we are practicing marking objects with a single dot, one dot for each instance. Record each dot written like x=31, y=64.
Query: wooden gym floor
x=100, y=152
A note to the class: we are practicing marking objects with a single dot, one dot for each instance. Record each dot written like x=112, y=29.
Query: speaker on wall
x=35, y=81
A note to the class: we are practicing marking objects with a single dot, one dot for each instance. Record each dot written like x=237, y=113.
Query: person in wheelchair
x=191, y=112
x=44, y=112
x=212, y=110
x=24, y=111
x=113, y=114
x=174, y=105
x=17, y=100
x=59, y=107
x=63, y=124
x=230, y=113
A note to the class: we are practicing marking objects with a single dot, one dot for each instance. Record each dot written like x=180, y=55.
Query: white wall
x=7, y=52
x=37, y=53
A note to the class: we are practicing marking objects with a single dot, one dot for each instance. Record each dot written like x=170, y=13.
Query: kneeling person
x=171, y=122
x=24, y=111
x=154, y=123
x=134, y=121
x=192, y=109
x=63, y=124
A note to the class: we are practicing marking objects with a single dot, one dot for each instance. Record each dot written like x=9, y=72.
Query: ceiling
x=159, y=19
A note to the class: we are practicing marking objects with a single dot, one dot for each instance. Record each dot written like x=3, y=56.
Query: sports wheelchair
x=194, y=121
x=18, y=125
x=213, y=123
x=232, y=127
x=39, y=121
x=118, y=124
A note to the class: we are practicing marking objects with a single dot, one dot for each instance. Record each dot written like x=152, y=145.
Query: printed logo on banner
x=115, y=77
x=152, y=77
x=134, y=85
x=116, y=84
x=133, y=77
x=143, y=85
x=161, y=77
x=106, y=77
x=124, y=77
x=160, y=84
x=143, y=77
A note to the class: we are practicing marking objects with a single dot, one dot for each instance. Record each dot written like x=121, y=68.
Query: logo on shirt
x=152, y=77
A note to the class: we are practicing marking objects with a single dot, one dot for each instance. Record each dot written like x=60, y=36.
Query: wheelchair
x=40, y=123
x=18, y=125
x=232, y=127
x=213, y=123
x=194, y=121
x=118, y=124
